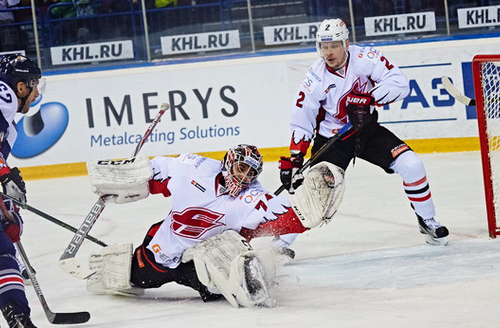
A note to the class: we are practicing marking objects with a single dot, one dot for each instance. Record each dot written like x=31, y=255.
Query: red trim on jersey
x=159, y=187
x=9, y=280
x=301, y=146
x=420, y=199
x=152, y=231
x=416, y=183
x=348, y=135
x=331, y=70
x=151, y=262
x=287, y=222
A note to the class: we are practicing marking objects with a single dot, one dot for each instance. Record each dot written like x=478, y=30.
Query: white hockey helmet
x=332, y=30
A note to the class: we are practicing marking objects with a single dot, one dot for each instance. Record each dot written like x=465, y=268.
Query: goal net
x=486, y=72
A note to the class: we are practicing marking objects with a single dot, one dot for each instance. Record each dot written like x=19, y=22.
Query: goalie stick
x=57, y=318
x=67, y=261
x=453, y=91
x=320, y=151
x=50, y=218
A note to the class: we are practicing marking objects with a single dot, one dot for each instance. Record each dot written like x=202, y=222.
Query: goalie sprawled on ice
x=217, y=208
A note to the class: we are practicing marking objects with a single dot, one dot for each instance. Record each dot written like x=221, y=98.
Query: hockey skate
x=16, y=320
x=255, y=283
x=435, y=233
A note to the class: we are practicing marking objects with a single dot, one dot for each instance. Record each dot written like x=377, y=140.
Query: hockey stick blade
x=58, y=318
x=70, y=266
x=68, y=318
x=453, y=91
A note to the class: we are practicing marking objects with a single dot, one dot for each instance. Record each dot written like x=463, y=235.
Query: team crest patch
x=197, y=185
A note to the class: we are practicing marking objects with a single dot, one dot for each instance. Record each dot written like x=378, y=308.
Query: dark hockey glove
x=13, y=224
x=359, y=109
x=289, y=177
x=12, y=183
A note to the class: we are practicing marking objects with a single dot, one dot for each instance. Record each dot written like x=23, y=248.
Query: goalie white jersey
x=202, y=208
x=321, y=99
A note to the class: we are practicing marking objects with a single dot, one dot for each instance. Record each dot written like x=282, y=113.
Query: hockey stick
x=453, y=91
x=50, y=218
x=320, y=152
x=67, y=261
x=57, y=318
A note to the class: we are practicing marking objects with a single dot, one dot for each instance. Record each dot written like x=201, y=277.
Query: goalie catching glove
x=319, y=197
x=126, y=179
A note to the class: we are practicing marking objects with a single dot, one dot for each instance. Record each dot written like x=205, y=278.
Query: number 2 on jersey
x=301, y=98
x=7, y=98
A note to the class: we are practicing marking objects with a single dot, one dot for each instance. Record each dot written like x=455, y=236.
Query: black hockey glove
x=359, y=109
x=288, y=172
x=12, y=183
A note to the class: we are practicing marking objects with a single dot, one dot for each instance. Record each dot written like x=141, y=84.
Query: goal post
x=486, y=75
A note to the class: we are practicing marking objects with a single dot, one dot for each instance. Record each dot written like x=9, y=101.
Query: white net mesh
x=490, y=82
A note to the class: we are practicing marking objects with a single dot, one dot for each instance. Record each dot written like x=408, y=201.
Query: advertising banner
x=201, y=42
x=92, y=52
x=216, y=105
x=396, y=24
x=478, y=16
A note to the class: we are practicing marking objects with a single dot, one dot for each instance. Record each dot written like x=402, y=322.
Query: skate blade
x=436, y=241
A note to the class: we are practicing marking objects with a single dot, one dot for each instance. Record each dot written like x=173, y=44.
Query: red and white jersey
x=8, y=130
x=202, y=208
x=320, y=103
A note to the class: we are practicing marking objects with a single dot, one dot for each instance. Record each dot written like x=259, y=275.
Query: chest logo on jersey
x=194, y=222
x=197, y=185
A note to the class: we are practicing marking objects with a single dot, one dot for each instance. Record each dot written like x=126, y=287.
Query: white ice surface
x=369, y=267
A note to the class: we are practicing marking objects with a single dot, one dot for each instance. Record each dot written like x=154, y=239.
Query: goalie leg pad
x=251, y=274
x=319, y=197
x=212, y=259
x=113, y=268
x=126, y=179
x=222, y=262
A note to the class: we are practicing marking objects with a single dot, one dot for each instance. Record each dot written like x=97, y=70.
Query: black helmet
x=16, y=68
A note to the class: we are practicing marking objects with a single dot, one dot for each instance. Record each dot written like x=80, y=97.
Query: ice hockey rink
x=370, y=267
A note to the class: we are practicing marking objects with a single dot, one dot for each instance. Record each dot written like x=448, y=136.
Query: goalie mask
x=241, y=166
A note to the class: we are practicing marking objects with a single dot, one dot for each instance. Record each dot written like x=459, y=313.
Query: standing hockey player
x=346, y=84
x=19, y=86
x=217, y=208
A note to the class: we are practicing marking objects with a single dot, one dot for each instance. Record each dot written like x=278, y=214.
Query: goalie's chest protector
x=200, y=206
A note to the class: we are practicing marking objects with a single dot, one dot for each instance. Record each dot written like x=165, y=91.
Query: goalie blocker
x=126, y=179
x=224, y=264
